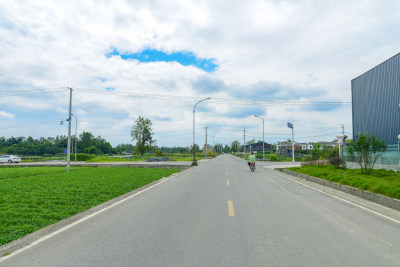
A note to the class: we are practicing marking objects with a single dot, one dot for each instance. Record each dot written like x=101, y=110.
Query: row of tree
x=141, y=132
x=86, y=143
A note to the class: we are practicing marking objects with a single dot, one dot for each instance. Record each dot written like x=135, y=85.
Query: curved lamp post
x=263, y=134
x=194, y=111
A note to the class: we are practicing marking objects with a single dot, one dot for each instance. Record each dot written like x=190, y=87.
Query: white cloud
x=6, y=115
x=62, y=110
x=270, y=50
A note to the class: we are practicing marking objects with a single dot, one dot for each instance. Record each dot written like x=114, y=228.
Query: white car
x=9, y=159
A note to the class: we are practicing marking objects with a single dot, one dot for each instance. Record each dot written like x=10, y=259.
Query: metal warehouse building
x=376, y=99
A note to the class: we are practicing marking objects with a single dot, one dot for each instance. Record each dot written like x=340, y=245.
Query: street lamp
x=76, y=133
x=194, y=111
x=263, y=133
x=214, y=141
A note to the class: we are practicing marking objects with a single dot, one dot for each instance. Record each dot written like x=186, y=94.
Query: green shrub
x=273, y=157
x=337, y=162
x=91, y=150
x=82, y=157
x=159, y=153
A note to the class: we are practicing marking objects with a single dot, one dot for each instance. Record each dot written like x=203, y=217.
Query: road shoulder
x=380, y=210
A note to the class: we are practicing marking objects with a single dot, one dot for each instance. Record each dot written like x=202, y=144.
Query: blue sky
x=182, y=57
x=156, y=59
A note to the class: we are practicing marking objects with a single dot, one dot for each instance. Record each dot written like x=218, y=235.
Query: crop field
x=35, y=197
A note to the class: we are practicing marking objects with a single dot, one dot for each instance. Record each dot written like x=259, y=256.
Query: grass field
x=382, y=182
x=32, y=198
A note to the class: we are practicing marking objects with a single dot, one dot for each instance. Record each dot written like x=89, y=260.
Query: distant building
x=375, y=101
x=285, y=148
x=257, y=147
x=209, y=148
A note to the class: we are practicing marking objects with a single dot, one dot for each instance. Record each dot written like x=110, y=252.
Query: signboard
x=290, y=125
x=65, y=150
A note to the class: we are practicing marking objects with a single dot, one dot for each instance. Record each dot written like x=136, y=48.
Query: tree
x=196, y=146
x=218, y=148
x=143, y=134
x=235, y=146
x=252, y=141
x=316, y=153
x=14, y=140
x=86, y=140
x=273, y=147
x=227, y=149
x=102, y=145
x=91, y=150
x=366, y=150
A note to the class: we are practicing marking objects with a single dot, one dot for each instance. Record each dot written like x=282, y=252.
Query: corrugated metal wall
x=376, y=99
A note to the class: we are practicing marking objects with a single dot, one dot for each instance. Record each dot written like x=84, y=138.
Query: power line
x=213, y=100
x=179, y=98
x=32, y=91
x=31, y=124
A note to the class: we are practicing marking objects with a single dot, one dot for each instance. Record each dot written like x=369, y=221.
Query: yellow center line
x=228, y=183
x=231, y=211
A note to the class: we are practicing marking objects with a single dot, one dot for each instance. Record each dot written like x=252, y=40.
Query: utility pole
x=342, y=143
x=290, y=125
x=214, y=142
x=263, y=134
x=206, y=141
x=244, y=142
x=69, y=131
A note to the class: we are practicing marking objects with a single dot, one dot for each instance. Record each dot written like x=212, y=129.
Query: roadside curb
x=376, y=198
x=35, y=237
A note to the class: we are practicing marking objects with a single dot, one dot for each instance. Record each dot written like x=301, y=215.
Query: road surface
x=221, y=214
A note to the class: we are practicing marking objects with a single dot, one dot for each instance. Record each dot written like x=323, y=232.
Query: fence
x=390, y=157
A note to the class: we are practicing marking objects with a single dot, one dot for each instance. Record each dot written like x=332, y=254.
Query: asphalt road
x=221, y=214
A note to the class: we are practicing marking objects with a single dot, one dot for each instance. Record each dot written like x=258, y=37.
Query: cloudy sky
x=285, y=61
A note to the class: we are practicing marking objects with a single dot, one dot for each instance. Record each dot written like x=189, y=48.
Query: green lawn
x=382, y=182
x=32, y=198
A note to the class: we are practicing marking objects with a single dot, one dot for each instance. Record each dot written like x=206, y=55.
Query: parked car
x=9, y=159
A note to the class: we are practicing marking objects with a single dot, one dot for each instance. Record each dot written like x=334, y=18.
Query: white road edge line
x=40, y=240
x=344, y=200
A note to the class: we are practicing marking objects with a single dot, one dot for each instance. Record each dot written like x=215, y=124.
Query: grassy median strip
x=35, y=197
x=383, y=182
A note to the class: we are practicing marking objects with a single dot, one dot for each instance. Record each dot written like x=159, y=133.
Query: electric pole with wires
x=69, y=131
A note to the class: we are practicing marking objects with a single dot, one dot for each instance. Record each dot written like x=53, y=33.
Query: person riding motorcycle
x=251, y=159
